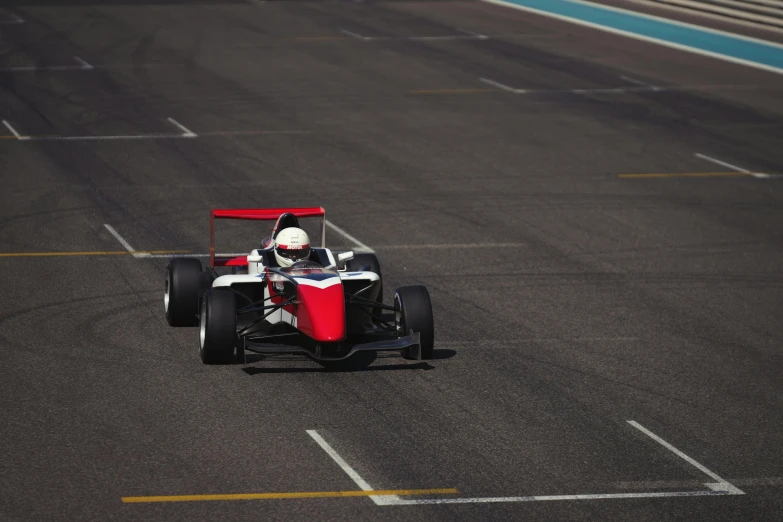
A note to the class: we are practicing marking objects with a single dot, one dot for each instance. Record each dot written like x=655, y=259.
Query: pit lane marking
x=732, y=167
x=718, y=486
x=358, y=480
x=719, y=482
x=122, y=241
x=14, y=131
x=186, y=133
x=501, y=86
x=655, y=484
x=349, y=237
x=289, y=495
x=734, y=174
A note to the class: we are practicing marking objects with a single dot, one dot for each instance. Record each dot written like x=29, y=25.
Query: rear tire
x=414, y=312
x=218, y=326
x=368, y=263
x=184, y=282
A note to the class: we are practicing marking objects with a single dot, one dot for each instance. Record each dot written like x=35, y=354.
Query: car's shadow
x=362, y=362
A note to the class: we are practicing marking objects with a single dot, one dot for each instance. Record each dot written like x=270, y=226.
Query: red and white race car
x=325, y=307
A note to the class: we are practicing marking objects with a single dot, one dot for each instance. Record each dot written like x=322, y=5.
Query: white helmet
x=291, y=245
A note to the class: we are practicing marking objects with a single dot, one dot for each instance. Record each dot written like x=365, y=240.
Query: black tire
x=368, y=263
x=414, y=312
x=218, y=326
x=184, y=283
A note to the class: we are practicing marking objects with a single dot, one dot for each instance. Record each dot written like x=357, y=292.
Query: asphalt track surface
x=569, y=299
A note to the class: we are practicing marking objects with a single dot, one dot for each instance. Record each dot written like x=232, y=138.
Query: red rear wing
x=260, y=214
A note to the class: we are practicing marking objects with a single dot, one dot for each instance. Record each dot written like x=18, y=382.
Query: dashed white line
x=358, y=480
x=124, y=243
x=13, y=131
x=720, y=483
x=186, y=133
x=349, y=237
x=500, y=86
x=730, y=166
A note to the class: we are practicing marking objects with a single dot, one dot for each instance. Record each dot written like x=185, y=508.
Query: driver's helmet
x=292, y=244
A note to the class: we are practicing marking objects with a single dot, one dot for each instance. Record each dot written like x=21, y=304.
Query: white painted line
x=99, y=138
x=358, y=480
x=543, y=498
x=473, y=33
x=83, y=63
x=730, y=166
x=122, y=241
x=167, y=256
x=186, y=133
x=618, y=90
x=721, y=163
x=723, y=485
x=427, y=38
x=449, y=245
x=34, y=68
x=501, y=86
x=639, y=82
x=695, y=483
x=485, y=344
x=13, y=131
x=349, y=237
x=83, y=66
x=352, y=35
x=15, y=19
x=654, y=40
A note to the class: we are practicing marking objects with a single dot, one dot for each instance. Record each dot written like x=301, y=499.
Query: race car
x=289, y=297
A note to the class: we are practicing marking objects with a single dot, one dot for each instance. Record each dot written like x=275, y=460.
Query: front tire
x=184, y=280
x=414, y=313
x=218, y=326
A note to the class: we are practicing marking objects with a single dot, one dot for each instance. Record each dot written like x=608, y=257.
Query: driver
x=292, y=244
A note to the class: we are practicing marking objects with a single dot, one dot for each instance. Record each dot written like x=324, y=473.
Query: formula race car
x=286, y=297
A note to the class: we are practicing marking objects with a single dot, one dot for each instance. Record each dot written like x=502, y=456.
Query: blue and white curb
x=722, y=45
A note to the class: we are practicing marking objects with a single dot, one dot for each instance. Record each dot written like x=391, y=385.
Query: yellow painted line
x=284, y=495
x=96, y=253
x=688, y=175
x=451, y=91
